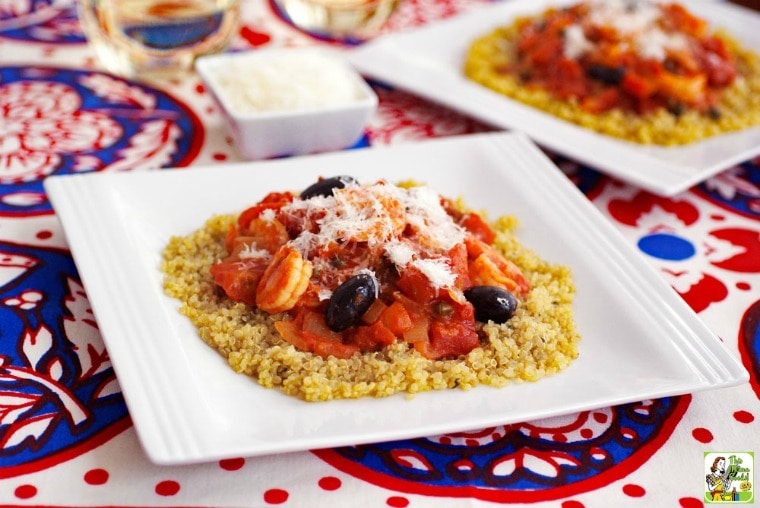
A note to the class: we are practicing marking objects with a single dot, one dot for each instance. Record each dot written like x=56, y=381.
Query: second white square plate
x=429, y=62
x=639, y=339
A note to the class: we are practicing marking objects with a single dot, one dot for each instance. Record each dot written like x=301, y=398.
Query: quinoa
x=539, y=340
x=738, y=105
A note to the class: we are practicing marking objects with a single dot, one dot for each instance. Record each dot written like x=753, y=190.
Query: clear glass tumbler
x=138, y=37
x=357, y=19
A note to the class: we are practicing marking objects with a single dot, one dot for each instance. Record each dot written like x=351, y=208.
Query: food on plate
x=348, y=290
x=645, y=71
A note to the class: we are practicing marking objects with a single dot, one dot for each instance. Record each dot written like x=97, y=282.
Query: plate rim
x=149, y=406
x=395, y=59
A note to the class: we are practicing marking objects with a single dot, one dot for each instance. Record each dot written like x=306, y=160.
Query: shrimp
x=284, y=281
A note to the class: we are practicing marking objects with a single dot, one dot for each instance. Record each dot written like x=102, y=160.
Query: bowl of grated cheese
x=288, y=101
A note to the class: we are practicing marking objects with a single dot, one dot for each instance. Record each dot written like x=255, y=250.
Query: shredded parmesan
x=636, y=20
x=400, y=253
x=286, y=81
x=378, y=214
x=437, y=271
x=250, y=252
x=268, y=215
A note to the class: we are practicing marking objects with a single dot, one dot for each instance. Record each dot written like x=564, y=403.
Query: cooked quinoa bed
x=539, y=340
x=739, y=105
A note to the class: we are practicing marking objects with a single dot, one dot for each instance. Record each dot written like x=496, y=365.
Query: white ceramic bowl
x=288, y=101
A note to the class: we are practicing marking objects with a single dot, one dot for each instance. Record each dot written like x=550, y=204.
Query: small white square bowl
x=292, y=129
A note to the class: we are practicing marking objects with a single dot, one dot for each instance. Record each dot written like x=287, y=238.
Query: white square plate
x=429, y=62
x=639, y=339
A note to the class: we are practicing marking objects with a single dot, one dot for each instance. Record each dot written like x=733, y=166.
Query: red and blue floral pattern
x=48, y=21
x=65, y=121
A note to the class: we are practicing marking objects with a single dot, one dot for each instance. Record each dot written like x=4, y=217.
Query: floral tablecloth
x=66, y=438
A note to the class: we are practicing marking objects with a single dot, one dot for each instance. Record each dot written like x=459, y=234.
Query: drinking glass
x=356, y=19
x=137, y=37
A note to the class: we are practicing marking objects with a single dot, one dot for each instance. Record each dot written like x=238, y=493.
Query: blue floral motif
x=59, y=389
x=736, y=189
x=527, y=462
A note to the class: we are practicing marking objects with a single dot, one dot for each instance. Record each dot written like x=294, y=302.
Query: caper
x=350, y=301
x=443, y=308
x=491, y=303
x=326, y=186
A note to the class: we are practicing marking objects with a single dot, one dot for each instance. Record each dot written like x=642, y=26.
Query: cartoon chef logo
x=729, y=477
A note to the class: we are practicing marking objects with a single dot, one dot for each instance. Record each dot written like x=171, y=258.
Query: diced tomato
x=372, y=337
x=475, y=224
x=396, y=319
x=688, y=89
x=545, y=50
x=448, y=340
x=336, y=349
x=638, y=85
x=717, y=62
x=460, y=265
x=566, y=78
x=238, y=280
x=681, y=19
x=272, y=201
x=414, y=284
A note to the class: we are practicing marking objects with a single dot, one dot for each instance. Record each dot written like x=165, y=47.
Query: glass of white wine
x=350, y=19
x=157, y=37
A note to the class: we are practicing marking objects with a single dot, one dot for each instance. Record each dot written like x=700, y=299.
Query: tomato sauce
x=636, y=56
x=364, y=267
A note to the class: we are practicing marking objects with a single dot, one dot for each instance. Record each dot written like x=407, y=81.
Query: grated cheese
x=400, y=253
x=250, y=252
x=268, y=215
x=437, y=271
x=286, y=81
x=379, y=214
x=636, y=20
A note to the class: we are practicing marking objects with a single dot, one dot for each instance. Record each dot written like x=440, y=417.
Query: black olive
x=325, y=186
x=491, y=303
x=350, y=301
x=605, y=74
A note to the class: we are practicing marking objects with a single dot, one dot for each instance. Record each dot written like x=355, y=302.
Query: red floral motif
x=735, y=250
x=415, y=13
x=747, y=244
x=404, y=117
x=43, y=120
x=629, y=212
